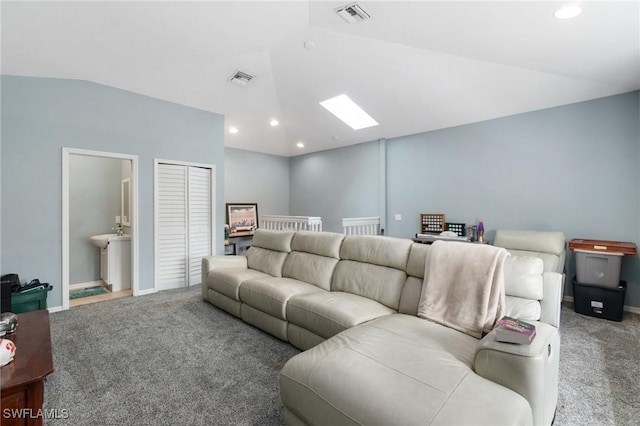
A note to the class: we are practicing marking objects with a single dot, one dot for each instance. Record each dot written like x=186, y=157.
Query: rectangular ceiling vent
x=352, y=13
x=241, y=78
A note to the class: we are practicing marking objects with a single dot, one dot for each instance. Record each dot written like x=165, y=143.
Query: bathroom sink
x=102, y=241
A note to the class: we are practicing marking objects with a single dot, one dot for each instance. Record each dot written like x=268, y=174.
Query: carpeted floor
x=599, y=371
x=171, y=359
x=164, y=359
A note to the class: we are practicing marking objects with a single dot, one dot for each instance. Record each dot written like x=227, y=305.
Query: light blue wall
x=40, y=116
x=338, y=183
x=94, y=202
x=574, y=168
x=252, y=177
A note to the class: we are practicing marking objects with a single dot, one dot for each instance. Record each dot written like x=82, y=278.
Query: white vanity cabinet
x=115, y=264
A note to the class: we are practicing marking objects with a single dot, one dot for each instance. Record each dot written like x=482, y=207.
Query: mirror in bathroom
x=125, y=201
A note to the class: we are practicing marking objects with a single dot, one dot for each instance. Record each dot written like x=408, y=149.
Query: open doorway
x=99, y=226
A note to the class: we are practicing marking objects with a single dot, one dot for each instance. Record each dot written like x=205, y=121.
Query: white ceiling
x=414, y=66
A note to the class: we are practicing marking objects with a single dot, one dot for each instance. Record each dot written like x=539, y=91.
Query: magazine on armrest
x=512, y=330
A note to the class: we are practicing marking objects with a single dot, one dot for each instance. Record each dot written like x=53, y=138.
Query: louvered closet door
x=171, y=244
x=199, y=220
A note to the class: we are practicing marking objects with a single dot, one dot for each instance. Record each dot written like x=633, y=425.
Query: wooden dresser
x=23, y=378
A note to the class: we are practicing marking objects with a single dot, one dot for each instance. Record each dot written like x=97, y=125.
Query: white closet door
x=171, y=243
x=199, y=220
x=183, y=223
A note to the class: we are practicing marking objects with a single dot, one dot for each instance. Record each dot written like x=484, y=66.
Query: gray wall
x=252, y=177
x=40, y=116
x=337, y=183
x=574, y=168
x=94, y=202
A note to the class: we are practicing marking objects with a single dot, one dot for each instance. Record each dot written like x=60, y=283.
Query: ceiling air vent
x=352, y=13
x=241, y=78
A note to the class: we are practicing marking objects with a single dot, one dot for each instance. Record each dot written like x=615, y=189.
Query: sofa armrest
x=530, y=370
x=551, y=303
x=209, y=263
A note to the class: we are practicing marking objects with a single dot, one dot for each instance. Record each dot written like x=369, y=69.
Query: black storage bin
x=9, y=282
x=599, y=301
x=5, y=297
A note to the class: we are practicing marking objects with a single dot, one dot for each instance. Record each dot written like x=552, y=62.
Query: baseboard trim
x=145, y=292
x=632, y=309
x=55, y=309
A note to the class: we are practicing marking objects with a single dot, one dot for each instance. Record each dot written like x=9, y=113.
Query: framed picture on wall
x=242, y=217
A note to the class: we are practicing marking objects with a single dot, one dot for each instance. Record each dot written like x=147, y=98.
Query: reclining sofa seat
x=380, y=359
x=307, y=271
x=550, y=247
x=223, y=275
x=366, y=284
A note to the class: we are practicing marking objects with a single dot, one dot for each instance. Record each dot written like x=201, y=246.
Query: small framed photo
x=242, y=217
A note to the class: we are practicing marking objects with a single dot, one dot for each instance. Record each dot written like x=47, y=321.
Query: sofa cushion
x=523, y=277
x=548, y=246
x=321, y=243
x=269, y=250
x=328, y=313
x=270, y=295
x=412, y=288
x=417, y=258
x=521, y=308
x=227, y=280
x=310, y=268
x=272, y=240
x=410, y=297
x=384, y=251
x=265, y=260
x=375, y=282
x=523, y=287
x=397, y=369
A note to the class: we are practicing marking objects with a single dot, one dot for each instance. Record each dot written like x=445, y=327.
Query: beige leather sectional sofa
x=350, y=303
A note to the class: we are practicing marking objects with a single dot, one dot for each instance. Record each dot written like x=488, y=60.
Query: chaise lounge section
x=351, y=303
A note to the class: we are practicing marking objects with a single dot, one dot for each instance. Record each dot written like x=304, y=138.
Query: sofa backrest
x=269, y=250
x=313, y=258
x=412, y=289
x=523, y=287
x=523, y=282
x=372, y=267
x=548, y=246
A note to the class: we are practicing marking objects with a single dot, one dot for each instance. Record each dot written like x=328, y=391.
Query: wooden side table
x=241, y=241
x=22, y=380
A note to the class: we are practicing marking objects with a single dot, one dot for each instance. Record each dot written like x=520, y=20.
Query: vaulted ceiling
x=414, y=66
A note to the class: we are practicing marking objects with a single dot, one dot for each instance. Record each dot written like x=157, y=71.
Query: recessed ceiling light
x=568, y=12
x=300, y=145
x=233, y=130
x=274, y=122
x=349, y=112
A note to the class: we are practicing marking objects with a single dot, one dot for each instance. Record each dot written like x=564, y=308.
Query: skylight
x=349, y=112
x=568, y=12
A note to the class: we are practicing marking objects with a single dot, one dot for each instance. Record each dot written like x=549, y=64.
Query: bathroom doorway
x=99, y=226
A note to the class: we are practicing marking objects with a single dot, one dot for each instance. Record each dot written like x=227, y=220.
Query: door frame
x=212, y=168
x=66, y=153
